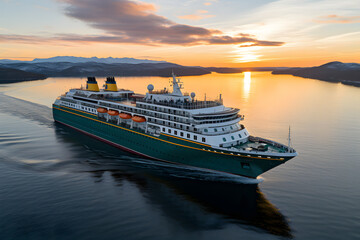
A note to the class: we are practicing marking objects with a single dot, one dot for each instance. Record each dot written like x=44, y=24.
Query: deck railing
x=184, y=105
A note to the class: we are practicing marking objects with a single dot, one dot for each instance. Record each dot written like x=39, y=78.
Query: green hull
x=165, y=148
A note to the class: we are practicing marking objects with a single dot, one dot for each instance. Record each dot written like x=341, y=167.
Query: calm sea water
x=56, y=183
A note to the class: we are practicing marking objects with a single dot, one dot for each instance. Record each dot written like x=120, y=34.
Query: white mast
x=176, y=87
x=289, y=140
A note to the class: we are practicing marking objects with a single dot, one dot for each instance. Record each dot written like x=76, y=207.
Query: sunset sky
x=228, y=33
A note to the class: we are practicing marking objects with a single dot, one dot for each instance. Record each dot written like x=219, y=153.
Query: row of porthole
x=181, y=134
x=215, y=129
x=233, y=138
x=238, y=154
x=81, y=107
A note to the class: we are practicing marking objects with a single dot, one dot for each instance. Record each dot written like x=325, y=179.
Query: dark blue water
x=56, y=183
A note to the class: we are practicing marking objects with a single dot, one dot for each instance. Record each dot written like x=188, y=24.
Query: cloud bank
x=134, y=22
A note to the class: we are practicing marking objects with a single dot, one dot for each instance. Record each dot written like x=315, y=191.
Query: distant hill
x=346, y=73
x=67, y=66
x=67, y=69
x=71, y=59
x=8, y=75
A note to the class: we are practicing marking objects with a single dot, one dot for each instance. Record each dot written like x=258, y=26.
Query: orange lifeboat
x=125, y=116
x=102, y=110
x=113, y=112
x=138, y=119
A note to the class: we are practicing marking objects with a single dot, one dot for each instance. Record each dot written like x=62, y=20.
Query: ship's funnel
x=110, y=84
x=92, y=85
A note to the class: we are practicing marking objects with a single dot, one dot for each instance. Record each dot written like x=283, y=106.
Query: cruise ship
x=168, y=125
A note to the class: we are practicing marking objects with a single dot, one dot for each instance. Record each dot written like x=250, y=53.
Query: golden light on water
x=247, y=84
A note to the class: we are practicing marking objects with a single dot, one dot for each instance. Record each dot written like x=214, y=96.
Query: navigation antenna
x=289, y=140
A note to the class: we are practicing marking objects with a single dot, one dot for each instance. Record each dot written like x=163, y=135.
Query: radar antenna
x=177, y=85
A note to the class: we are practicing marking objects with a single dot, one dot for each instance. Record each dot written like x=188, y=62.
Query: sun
x=247, y=54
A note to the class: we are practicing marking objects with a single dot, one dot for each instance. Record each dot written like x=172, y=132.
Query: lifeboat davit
x=102, y=110
x=138, y=119
x=125, y=116
x=113, y=112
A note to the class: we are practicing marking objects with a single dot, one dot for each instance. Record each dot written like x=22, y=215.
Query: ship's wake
x=26, y=110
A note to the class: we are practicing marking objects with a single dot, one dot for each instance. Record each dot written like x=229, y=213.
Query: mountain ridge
x=73, y=59
x=346, y=73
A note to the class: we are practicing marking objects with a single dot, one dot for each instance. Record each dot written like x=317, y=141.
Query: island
x=9, y=75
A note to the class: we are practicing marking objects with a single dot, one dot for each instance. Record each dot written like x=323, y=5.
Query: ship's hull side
x=165, y=147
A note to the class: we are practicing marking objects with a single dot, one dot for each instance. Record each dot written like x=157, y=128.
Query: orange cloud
x=338, y=19
x=202, y=11
x=200, y=14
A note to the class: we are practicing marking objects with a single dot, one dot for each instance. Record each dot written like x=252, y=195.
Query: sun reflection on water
x=247, y=83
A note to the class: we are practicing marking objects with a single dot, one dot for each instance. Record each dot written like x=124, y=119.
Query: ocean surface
x=56, y=183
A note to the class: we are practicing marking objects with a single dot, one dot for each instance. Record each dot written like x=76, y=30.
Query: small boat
x=138, y=119
x=125, y=116
x=101, y=110
x=113, y=112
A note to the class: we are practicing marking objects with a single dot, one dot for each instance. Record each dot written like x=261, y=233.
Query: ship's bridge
x=176, y=99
